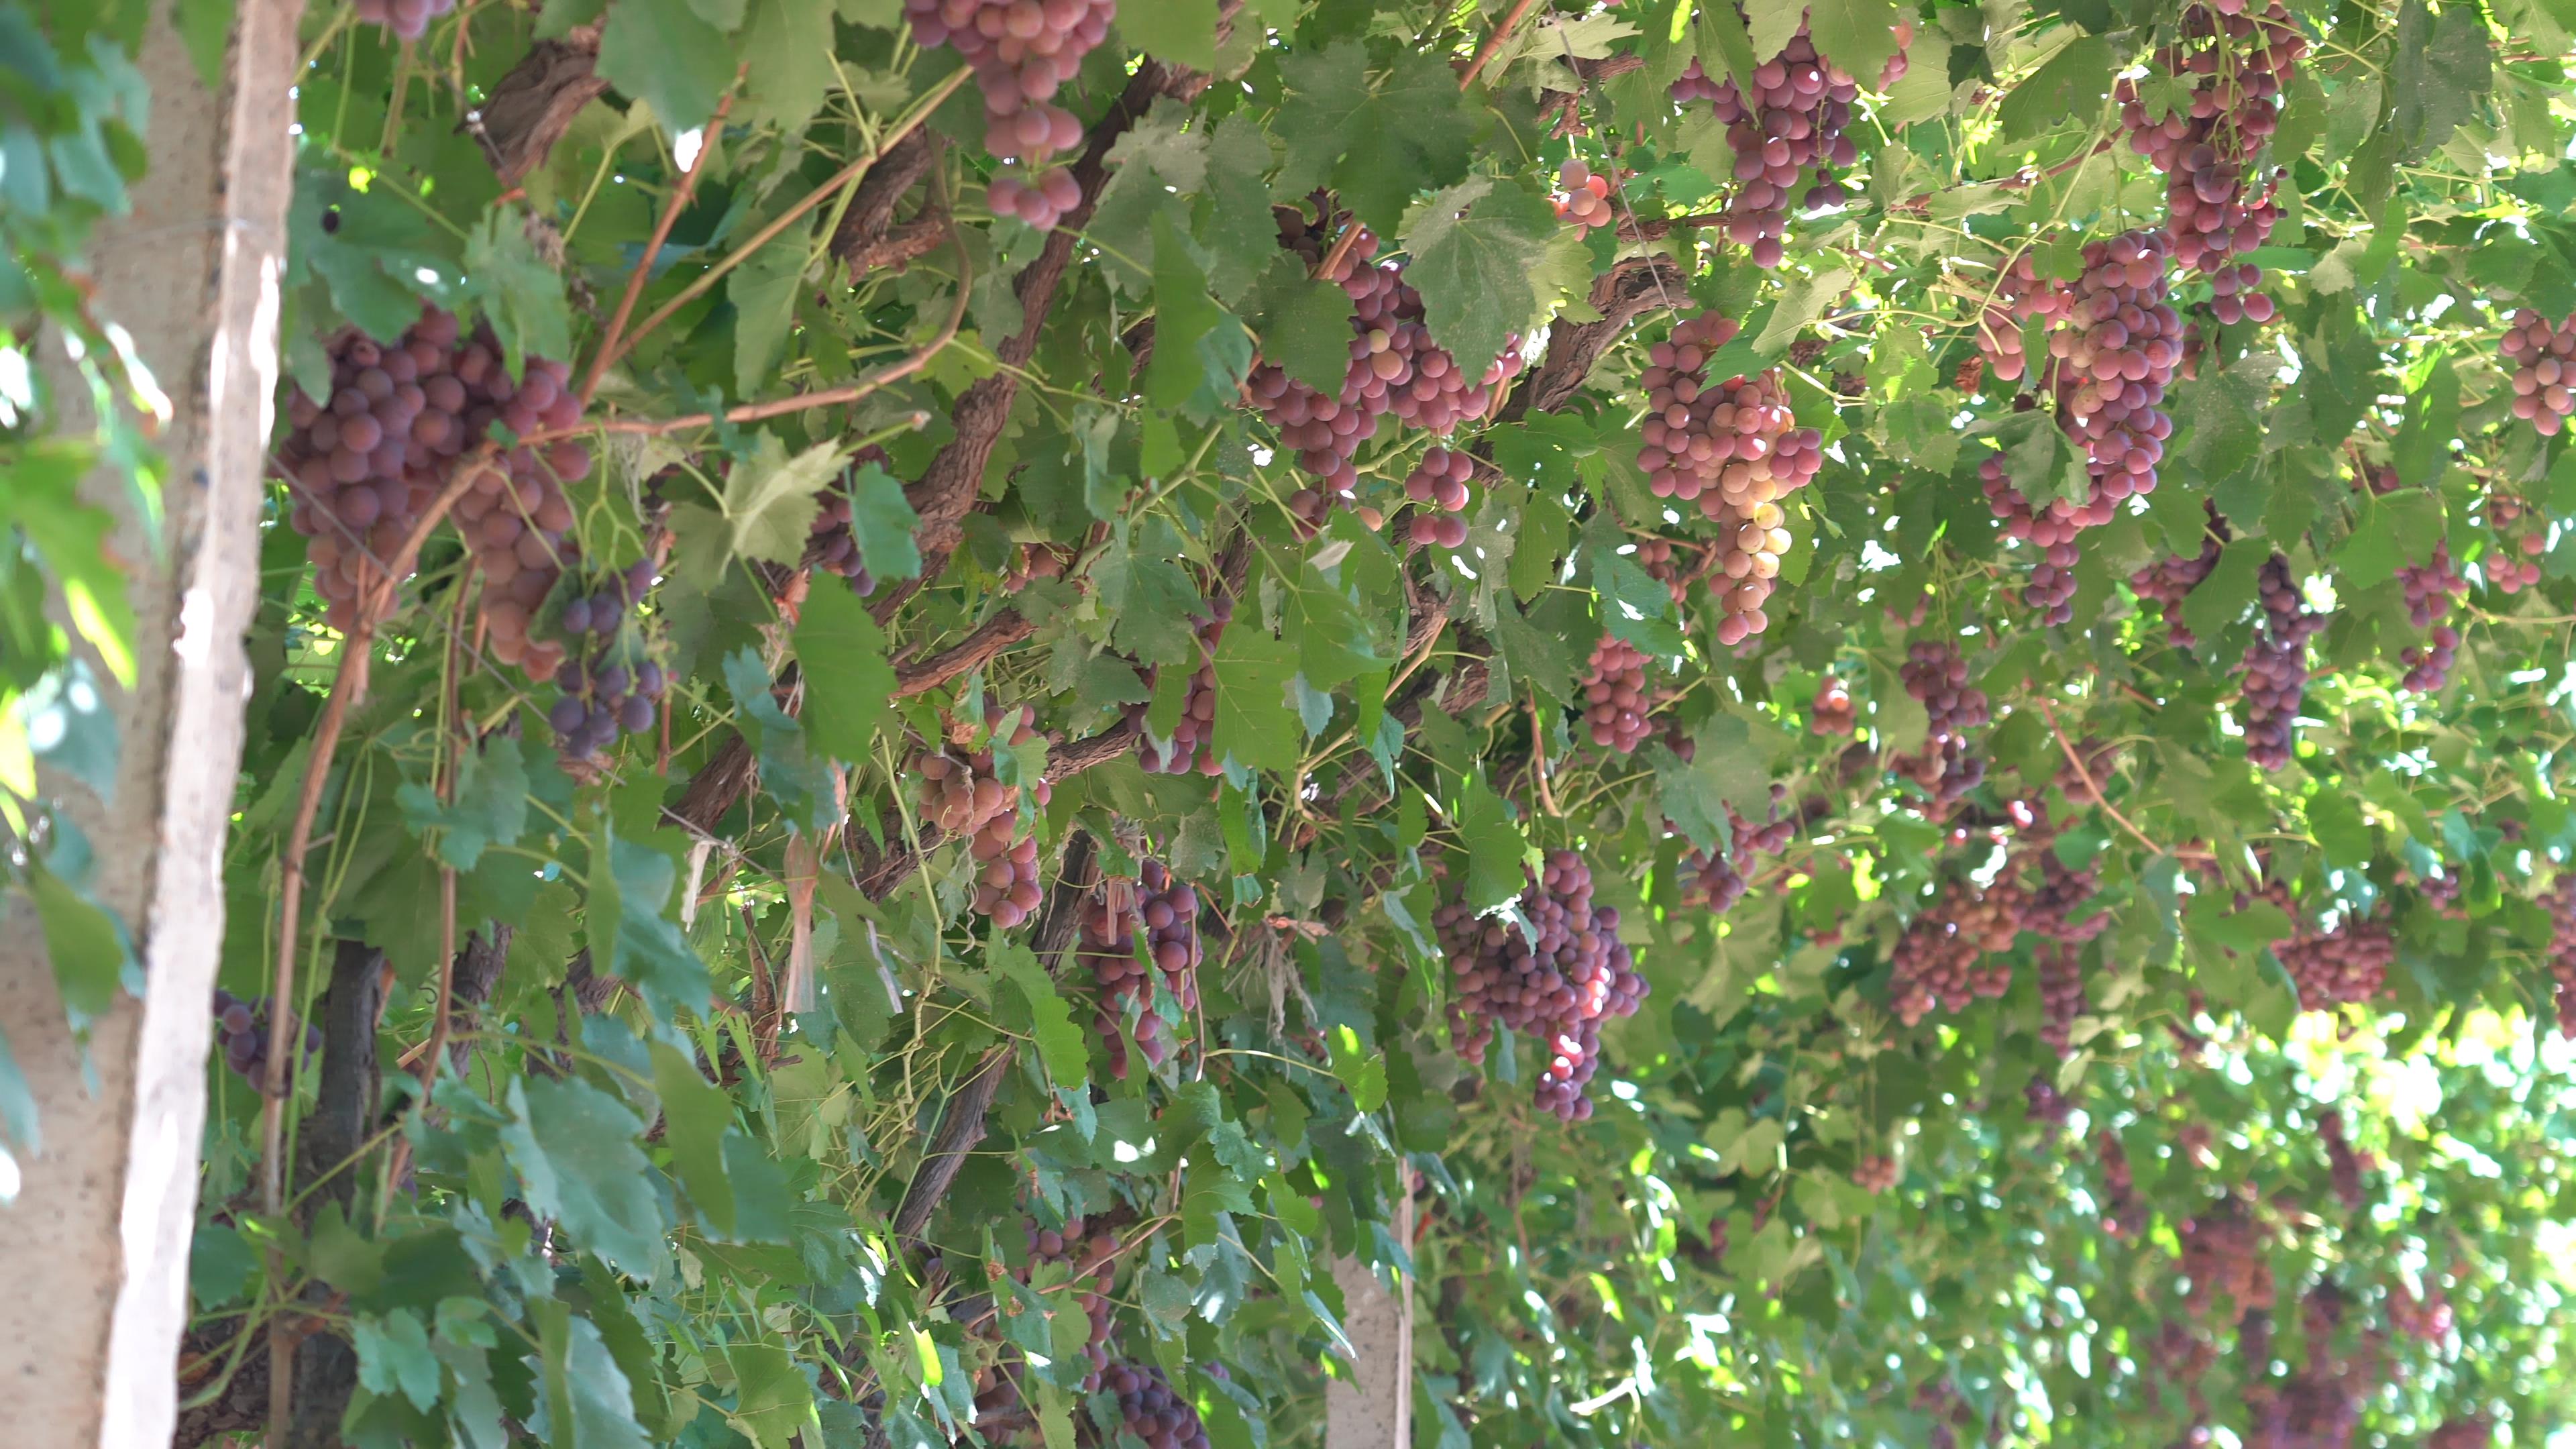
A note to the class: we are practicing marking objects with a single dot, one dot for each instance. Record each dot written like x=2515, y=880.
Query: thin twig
x=609, y=341
x=2093, y=787
x=1494, y=42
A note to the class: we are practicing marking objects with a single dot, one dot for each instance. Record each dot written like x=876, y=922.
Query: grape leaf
x=1233, y=220
x=1496, y=849
x=849, y=687
x=789, y=51
x=575, y=1151
x=2438, y=72
x=1475, y=249
x=665, y=54
x=773, y=1403
x=695, y=1114
x=763, y=293
x=1305, y=326
x=1180, y=31
x=1858, y=35
x=1060, y=1041
x=2073, y=83
x=1255, y=727
x=582, y=1388
x=882, y=521
x=490, y=804
x=771, y=499
x=1148, y=596
x=1376, y=139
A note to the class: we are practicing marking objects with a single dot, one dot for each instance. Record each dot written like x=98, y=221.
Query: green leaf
x=771, y=499
x=2439, y=70
x=1475, y=248
x=1305, y=326
x=2073, y=84
x=394, y=1355
x=1377, y=139
x=849, y=687
x=763, y=293
x=490, y=808
x=789, y=51
x=517, y=291
x=1360, y=1069
x=88, y=946
x=883, y=523
x=1180, y=31
x=2222, y=597
x=773, y=1403
x=584, y=1394
x=695, y=1114
x=649, y=953
x=1062, y=1044
x=662, y=53
x=1496, y=848
x=1149, y=597
x=1858, y=35
x=574, y=1148
x=1234, y=222
x=1185, y=316
x=1255, y=725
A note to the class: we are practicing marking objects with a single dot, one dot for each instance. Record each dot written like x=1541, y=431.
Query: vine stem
x=679, y=202
x=1494, y=42
x=2093, y=787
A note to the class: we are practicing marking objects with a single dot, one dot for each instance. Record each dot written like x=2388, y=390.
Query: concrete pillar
x=1375, y=1411
x=95, y=1249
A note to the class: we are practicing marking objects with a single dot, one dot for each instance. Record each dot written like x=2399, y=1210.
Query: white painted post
x=95, y=1249
x=1376, y=1410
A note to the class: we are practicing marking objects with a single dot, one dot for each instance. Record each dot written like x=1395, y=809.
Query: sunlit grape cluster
x=964, y=796
x=2276, y=666
x=1735, y=449
x=1832, y=712
x=407, y=19
x=2224, y=1257
x=1438, y=486
x=1943, y=959
x=1132, y=933
x=2217, y=207
x=2432, y=587
x=1149, y=1410
x=1790, y=127
x=1615, y=698
x=1192, y=747
x=1656, y=557
x=1583, y=197
x=1935, y=674
x=1558, y=985
x=1022, y=51
x=241, y=1036
x=2345, y=963
x=2522, y=536
x=1876, y=1173
x=2020, y=295
x=2167, y=582
x=2542, y=356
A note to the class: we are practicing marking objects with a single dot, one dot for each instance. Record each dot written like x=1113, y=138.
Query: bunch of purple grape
x=1438, y=485
x=407, y=19
x=1943, y=958
x=241, y=1035
x=1559, y=986
x=2167, y=582
x=2225, y=1256
x=963, y=796
x=1935, y=674
x=1022, y=51
x=2346, y=963
x=1149, y=1409
x=2432, y=587
x=1132, y=932
x=1615, y=699
x=1192, y=747
x=1714, y=880
x=2020, y=294
x=2543, y=358
x=2061, y=995
x=612, y=686
x=2276, y=667
x=2240, y=65
x=1792, y=122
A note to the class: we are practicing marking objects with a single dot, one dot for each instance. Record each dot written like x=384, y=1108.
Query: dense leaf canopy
x=1881, y=766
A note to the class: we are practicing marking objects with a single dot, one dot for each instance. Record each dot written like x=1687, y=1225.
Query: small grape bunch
x=2020, y=295
x=1876, y=1173
x=2167, y=582
x=2512, y=566
x=1583, y=202
x=1022, y=52
x=1714, y=880
x=241, y=1035
x=1832, y=712
x=2061, y=996
x=2542, y=355
x=1655, y=556
x=1614, y=693
x=1153, y=917
x=2432, y=587
x=1148, y=1408
x=832, y=545
x=966, y=797
x=2275, y=668
x=2347, y=962
x=407, y=19
x=1438, y=484
x=611, y=683
x=1192, y=747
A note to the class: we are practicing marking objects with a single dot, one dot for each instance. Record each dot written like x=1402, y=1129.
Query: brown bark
x=534, y=105
x=1635, y=286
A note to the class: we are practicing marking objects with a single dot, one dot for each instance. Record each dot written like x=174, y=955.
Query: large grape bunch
x=1557, y=985
x=1615, y=698
x=241, y=1036
x=2020, y=295
x=2276, y=666
x=1022, y=51
x=2432, y=587
x=1132, y=933
x=610, y=680
x=1733, y=447
x=1150, y=1410
x=964, y=796
x=2217, y=207
x=2346, y=962
x=2223, y=1254
x=1089, y=1254
x=2562, y=950
x=2167, y=582
x=1789, y=128
x=1944, y=959
x=1192, y=747
x=1935, y=674
x=407, y=19
x=2542, y=355
x=364, y=464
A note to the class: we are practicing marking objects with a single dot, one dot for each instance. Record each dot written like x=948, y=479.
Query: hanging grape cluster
x=610, y=681
x=1148, y=1408
x=2346, y=962
x=363, y=465
x=1583, y=197
x=1022, y=51
x=2344, y=1166
x=2561, y=902
x=1714, y=880
x=1832, y=712
x=1733, y=447
x=407, y=19
x=2061, y=995
x=1558, y=984
x=2223, y=1256
x=2020, y=295
x=1791, y=126
x=1875, y=1173
x=2522, y=536
x=2123, y=1215
x=2167, y=582
x=832, y=545
x=1615, y=698
x=1157, y=918
x=1935, y=674
x=2432, y=587
x=1942, y=959
x=2216, y=207
x=2542, y=357
x=2319, y=1405
x=2276, y=666
x=1192, y=747
x=1438, y=486
x=965, y=797
x=241, y=1036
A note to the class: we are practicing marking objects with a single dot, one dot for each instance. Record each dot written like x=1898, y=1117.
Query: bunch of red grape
x=1558, y=984
x=833, y=545
x=407, y=19
x=2168, y=582
x=2344, y=1167
x=2428, y=1319
x=2044, y=1104
x=2084, y=787
x=1735, y=449
x=1876, y=1173
x=2050, y=911
x=2503, y=569
x=2061, y=995
x=2561, y=901
x=1832, y=713
x=1714, y=880
x=2543, y=358
x=1148, y=1408
x=2223, y=1256
x=1935, y=674
x=1941, y=960
x=1583, y=201
x=1615, y=698
x=2347, y=962
x=2462, y=1434
x=1695, y=85
x=2240, y=65
x=612, y=686
x=363, y=466
x=1438, y=484
x=2020, y=294
x=964, y=797
x=1133, y=931
x=2123, y=1215
x=2276, y=667
x=2431, y=589
x=241, y=1036
x=1088, y=1254
x=1792, y=122
x=1655, y=556
x=1021, y=51
x=1192, y=747
x=2319, y=1405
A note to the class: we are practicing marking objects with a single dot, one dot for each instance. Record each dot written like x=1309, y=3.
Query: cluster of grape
x=2346, y=963
x=1151, y=1411
x=2442, y=893
x=1583, y=202
x=1132, y=931
x=2020, y=294
x=1021, y=51
x=364, y=464
x=1793, y=121
x=2222, y=1255
x=615, y=685
x=964, y=797
x=2050, y=911
x=1875, y=1173
x=1558, y=984
x=1714, y=880
x=2428, y=1319
x=407, y=19
x=2167, y=582
x=1615, y=698
x=1192, y=747
x=2320, y=1403
x=2462, y=1434
x=1089, y=1256
x=2044, y=1104
x=1438, y=485
x=1656, y=557
x=2530, y=540
x=833, y=544
x=2276, y=666
x=2561, y=902
x=241, y=1036
x=2216, y=208
x=2344, y=1167
x=2196, y=1144
x=1935, y=674
x=2084, y=787
x=1832, y=712
x=2543, y=358
x=2431, y=589
x=2123, y=1215
x=2061, y=996
x=1733, y=447
x=1942, y=959
x=1087, y=1252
